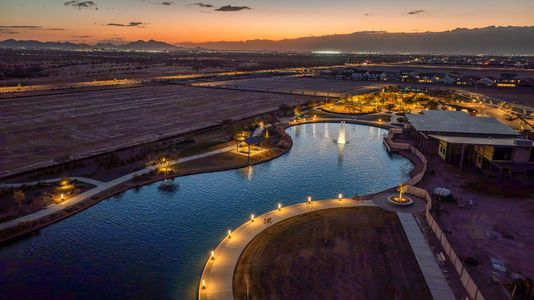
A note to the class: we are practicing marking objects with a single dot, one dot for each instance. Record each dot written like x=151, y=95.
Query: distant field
x=298, y=85
x=35, y=130
x=336, y=88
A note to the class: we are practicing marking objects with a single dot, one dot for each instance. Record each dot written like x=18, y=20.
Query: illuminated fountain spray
x=341, y=137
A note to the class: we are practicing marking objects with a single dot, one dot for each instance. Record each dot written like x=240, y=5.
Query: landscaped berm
x=342, y=253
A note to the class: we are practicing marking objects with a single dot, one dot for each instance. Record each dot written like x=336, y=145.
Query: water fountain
x=341, y=135
x=401, y=199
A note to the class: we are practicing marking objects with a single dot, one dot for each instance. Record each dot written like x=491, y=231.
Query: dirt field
x=496, y=226
x=36, y=130
x=355, y=253
x=298, y=85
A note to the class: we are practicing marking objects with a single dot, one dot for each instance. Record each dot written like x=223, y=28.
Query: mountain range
x=511, y=40
x=140, y=45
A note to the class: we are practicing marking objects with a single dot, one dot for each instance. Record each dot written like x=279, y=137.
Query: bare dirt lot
x=498, y=225
x=346, y=253
x=299, y=84
x=36, y=130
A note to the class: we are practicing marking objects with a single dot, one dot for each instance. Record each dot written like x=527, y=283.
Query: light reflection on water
x=148, y=243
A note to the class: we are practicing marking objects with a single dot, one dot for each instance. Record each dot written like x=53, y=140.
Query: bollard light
x=229, y=233
x=212, y=255
x=309, y=199
x=62, y=197
x=252, y=218
x=340, y=196
x=279, y=206
x=203, y=284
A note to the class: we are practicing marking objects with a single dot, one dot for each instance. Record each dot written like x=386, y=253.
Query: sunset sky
x=189, y=21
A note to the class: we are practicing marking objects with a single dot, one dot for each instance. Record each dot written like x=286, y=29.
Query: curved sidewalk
x=217, y=277
x=100, y=187
x=219, y=272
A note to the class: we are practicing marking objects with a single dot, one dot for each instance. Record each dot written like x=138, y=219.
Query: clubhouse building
x=461, y=139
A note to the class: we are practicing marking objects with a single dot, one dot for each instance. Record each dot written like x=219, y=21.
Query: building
x=452, y=78
x=461, y=139
x=389, y=76
x=468, y=80
x=487, y=81
x=507, y=80
x=407, y=76
x=373, y=75
x=359, y=74
x=527, y=82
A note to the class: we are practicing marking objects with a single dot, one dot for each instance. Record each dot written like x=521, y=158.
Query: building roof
x=444, y=121
x=477, y=140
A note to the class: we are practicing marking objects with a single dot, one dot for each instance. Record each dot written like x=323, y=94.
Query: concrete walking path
x=436, y=282
x=100, y=187
x=81, y=179
x=219, y=272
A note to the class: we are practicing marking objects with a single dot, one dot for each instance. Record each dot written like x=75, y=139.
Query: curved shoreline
x=24, y=228
x=300, y=208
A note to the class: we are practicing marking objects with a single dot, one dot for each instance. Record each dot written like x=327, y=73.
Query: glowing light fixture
x=340, y=196
x=229, y=233
x=252, y=218
x=212, y=255
x=203, y=284
x=279, y=206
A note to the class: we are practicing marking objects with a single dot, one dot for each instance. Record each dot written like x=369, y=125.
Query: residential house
x=486, y=81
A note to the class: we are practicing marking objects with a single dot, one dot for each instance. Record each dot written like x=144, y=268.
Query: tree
x=298, y=111
x=19, y=197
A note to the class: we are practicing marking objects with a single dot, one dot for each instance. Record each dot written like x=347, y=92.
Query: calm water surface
x=147, y=243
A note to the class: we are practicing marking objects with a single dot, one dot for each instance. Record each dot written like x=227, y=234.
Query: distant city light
x=327, y=52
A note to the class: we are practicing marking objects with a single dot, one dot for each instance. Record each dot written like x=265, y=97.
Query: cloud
x=165, y=3
x=131, y=24
x=232, y=8
x=367, y=14
x=28, y=27
x=81, y=36
x=416, y=12
x=8, y=31
x=200, y=4
x=81, y=4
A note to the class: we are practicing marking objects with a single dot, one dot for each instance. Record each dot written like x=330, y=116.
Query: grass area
x=27, y=199
x=346, y=253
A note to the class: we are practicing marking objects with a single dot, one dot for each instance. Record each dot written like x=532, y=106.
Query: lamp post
x=279, y=206
x=339, y=197
x=212, y=256
x=203, y=284
x=229, y=233
x=252, y=218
